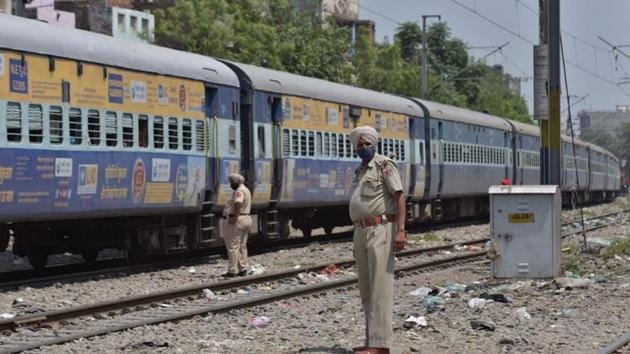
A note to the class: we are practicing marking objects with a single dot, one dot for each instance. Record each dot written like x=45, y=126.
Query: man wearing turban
x=236, y=230
x=377, y=209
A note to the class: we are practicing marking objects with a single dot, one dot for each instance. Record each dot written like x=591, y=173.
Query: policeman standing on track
x=377, y=209
x=236, y=229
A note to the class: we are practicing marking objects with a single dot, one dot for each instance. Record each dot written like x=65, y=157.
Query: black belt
x=231, y=215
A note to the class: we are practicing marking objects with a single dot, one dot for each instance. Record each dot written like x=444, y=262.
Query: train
x=108, y=143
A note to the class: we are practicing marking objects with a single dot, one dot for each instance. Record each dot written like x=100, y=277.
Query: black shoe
x=229, y=275
x=242, y=273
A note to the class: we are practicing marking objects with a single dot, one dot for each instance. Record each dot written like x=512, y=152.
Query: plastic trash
x=572, y=283
x=482, y=325
x=209, y=294
x=415, y=322
x=297, y=266
x=477, y=303
x=433, y=303
x=6, y=316
x=257, y=269
x=495, y=297
x=460, y=248
x=454, y=287
x=259, y=321
x=242, y=292
x=522, y=314
x=322, y=277
x=192, y=270
x=565, y=312
x=330, y=269
x=421, y=292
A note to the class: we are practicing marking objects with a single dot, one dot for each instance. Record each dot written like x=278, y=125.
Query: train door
x=439, y=152
x=275, y=108
x=518, y=160
x=508, y=157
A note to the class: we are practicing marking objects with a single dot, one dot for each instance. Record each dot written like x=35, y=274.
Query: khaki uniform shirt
x=374, y=187
x=240, y=195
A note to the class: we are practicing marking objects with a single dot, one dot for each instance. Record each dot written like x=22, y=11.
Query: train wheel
x=89, y=255
x=38, y=259
x=4, y=237
x=328, y=230
x=284, y=229
x=134, y=251
x=307, y=231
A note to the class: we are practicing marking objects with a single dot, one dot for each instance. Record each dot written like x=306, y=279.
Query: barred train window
x=75, y=127
x=340, y=145
x=187, y=134
x=14, y=122
x=173, y=134
x=333, y=145
x=35, y=124
x=261, y=141
x=326, y=145
x=348, y=146
x=127, y=130
x=311, y=144
x=295, y=143
x=302, y=143
x=111, y=129
x=200, y=137
x=158, y=132
x=55, y=119
x=286, y=143
x=94, y=127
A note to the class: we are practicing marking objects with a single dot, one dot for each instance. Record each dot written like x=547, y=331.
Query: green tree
x=599, y=137
x=409, y=37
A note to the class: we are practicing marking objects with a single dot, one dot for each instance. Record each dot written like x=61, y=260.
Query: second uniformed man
x=377, y=209
x=236, y=229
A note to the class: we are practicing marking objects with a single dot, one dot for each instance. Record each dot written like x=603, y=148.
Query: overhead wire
x=574, y=193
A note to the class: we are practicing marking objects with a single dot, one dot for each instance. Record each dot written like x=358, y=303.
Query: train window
x=173, y=135
x=14, y=122
x=311, y=144
x=379, y=148
x=403, y=153
x=261, y=141
x=333, y=145
x=94, y=127
x=158, y=132
x=35, y=123
x=348, y=146
x=111, y=129
x=232, y=139
x=340, y=145
x=187, y=134
x=200, y=135
x=326, y=145
x=303, y=143
x=421, y=153
x=295, y=143
x=286, y=143
x=391, y=149
x=143, y=131
x=55, y=119
x=318, y=144
x=76, y=138
x=127, y=130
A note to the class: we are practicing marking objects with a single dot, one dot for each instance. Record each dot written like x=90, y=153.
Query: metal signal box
x=525, y=228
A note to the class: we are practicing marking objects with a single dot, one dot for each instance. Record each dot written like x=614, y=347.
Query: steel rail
x=217, y=309
x=99, y=307
x=616, y=345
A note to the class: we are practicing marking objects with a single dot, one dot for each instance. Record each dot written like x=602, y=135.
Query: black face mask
x=234, y=185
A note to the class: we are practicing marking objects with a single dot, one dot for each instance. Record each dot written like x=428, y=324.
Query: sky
x=593, y=69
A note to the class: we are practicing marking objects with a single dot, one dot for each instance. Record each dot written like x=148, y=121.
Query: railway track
x=112, y=267
x=621, y=345
x=55, y=327
x=575, y=227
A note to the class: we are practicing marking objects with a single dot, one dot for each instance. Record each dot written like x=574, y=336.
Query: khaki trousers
x=374, y=255
x=235, y=238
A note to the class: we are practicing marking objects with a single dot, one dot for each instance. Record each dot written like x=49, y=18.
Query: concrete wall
x=45, y=11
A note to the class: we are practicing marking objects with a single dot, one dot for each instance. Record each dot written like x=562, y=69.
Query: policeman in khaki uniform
x=377, y=209
x=236, y=229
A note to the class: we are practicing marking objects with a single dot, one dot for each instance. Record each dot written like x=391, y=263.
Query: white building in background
x=132, y=24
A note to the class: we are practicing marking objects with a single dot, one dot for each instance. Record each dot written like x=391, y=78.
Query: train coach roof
x=38, y=37
x=601, y=150
x=274, y=81
x=567, y=139
x=462, y=115
x=527, y=129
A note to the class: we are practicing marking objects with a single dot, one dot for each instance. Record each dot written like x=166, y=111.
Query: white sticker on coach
x=161, y=170
x=63, y=167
